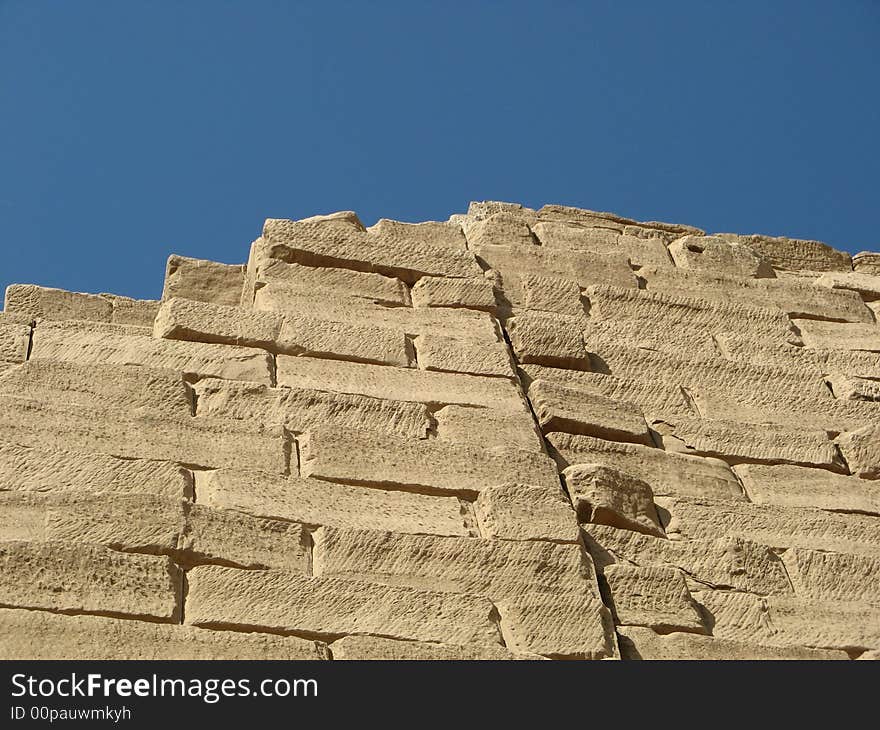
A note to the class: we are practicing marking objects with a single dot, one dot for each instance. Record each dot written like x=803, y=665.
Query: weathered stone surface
x=547, y=339
x=36, y=470
x=839, y=335
x=88, y=579
x=724, y=562
x=339, y=340
x=287, y=602
x=487, y=427
x=655, y=596
x=472, y=293
x=847, y=387
x=576, y=411
x=136, y=312
x=501, y=229
x=115, y=345
x=861, y=450
x=363, y=648
x=524, y=512
x=564, y=626
x=667, y=473
x=496, y=569
x=301, y=409
x=398, y=383
x=612, y=220
x=867, y=285
x=40, y=635
x=432, y=233
x=203, y=281
x=719, y=255
x=794, y=254
x=39, y=302
x=867, y=262
x=795, y=486
x=184, y=319
x=640, y=251
x=833, y=576
x=606, y=496
x=378, y=459
x=552, y=294
x=792, y=621
x=315, y=502
x=637, y=642
x=447, y=354
x=15, y=340
x=779, y=527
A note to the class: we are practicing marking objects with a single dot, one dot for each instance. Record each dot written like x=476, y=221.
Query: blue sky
x=131, y=130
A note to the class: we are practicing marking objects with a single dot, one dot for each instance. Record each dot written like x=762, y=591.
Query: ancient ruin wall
x=515, y=434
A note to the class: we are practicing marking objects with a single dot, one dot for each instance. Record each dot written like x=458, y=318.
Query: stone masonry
x=517, y=434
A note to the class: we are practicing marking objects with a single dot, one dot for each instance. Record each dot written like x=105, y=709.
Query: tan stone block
x=839, y=335
x=287, y=602
x=723, y=562
x=488, y=427
x=524, y=512
x=471, y=293
x=667, y=473
x=640, y=251
x=15, y=340
x=612, y=220
x=861, y=450
x=37, y=635
x=184, y=319
x=606, y=496
x=500, y=229
x=867, y=285
x=552, y=294
x=89, y=579
x=35, y=470
x=22, y=516
x=136, y=312
x=848, y=387
x=833, y=576
x=339, y=340
x=654, y=596
x=38, y=302
x=795, y=486
x=794, y=254
x=203, y=281
x=366, y=648
x=867, y=262
x=719, y=255
x=496, y=569
x=637, y=643
x=572, y=410
x=432, y=233
x=546, y=339
x=316, y=502
x=447, y=354
x=379, y=459
x=116, y=345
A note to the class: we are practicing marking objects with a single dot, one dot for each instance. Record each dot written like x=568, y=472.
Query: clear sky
x=134, y=129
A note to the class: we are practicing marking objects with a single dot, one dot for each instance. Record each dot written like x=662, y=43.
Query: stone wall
x=517, y=434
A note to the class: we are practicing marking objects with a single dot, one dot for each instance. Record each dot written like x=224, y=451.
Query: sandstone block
x=364, y=648
x=291, y=603
x=338, y=340
x=656, y=597
x=89, y=579
x=500, y=229
x=861, y=450
x=136, y=312
x=447, y=354
x=867, y=262
x=640, y=251
x=15, y=340
x=552, y=294
x=547, y=339
x=719, y=255
x=203, y=281
x=38, y=302
x=867, y=285
x=833, y=576
x=607, y=496
x=379, y=459
x=437, y=291
x=488, y=427
x=794, y=254
x=431, y=233
x=184, y=319
x=316, y=502
x=848, y=387
x=523, y=512
x=839, y=335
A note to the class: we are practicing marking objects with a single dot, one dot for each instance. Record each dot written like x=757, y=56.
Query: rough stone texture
x=489, y=438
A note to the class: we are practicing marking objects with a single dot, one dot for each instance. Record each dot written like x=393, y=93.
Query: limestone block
x=576, y=411
x=848, y=387
x=447, y=354
x=794, y=254
x=833, y=576
x=378, y=459
x=723, y=562
x=867, y=285
x=488, y=427
x=399, y=383
x=281, y=601
x=655, y=596
x=86, y=344
x=779, y=527
x=496, y=569
x=499, y=229
x=564, y=626
x=791, y=621
x=184, y=319
x=471, y=293
x=523, y=512
x=38, y=635
x=15, y=340
x=36, y=470
x=315, y=244
x=861, y=450
x=344, y=218
x=552, y=294
x=432, y=233
x=316, y=502
x=201, y=442
x=665, y=472
x=839, y=335
x=203, y=281
x=22, y=516
x=606, y=496
x=136, y=312
x=89, y=579
x=795, y=486
x=547, y=339
x=640, y=251
x=301, y=409
x=366, y=648
x=867, y=262
x=38, y=302
x=338, y=340
x=719, y=255
x=612, y=220
x=760, y=442
x=637, y=642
